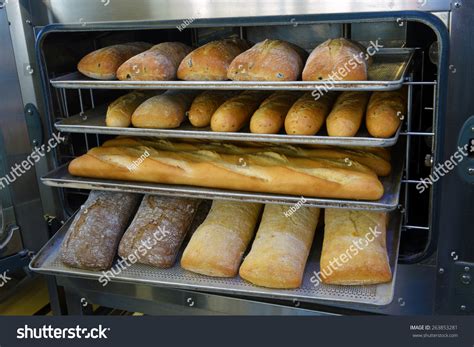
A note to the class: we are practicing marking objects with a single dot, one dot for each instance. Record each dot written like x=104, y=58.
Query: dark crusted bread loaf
x=92, y=239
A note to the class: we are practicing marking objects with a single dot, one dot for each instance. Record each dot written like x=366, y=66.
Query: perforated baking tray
x=93, y=122
x=47, y=262
x=386, y=73
x=62, y=179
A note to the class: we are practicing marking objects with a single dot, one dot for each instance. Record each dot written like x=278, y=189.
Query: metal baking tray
x=386, y=73
x=93, y=122
x=61, y=178
x=47, y=261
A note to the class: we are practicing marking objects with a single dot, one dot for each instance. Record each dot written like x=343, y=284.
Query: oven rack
x=47, y=261
x=93, y=122
x=388, y=72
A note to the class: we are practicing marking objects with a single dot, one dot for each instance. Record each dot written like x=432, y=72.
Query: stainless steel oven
x=424, y=50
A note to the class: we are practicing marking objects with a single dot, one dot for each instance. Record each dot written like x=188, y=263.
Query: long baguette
x=264, y=172
x=204, y=106
x=119, y=112
x=347, y=113
x=385, y=112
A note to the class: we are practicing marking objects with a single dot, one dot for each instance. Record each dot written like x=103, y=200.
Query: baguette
x=159, y=63
x=356, y=239
x=204, y=106
x=337, y=59
x=262, y=172
x=234, y=113
x=119, y=112
x=158, y=229
x=270, y=116
x=103, y=63
x=385, y=112
x=347, y=113
x=351, y=157
x=307, y=114
x=217, y=246
x=162, y=111
x=211, y=61
x=92, y=239
x=269, y=60
x=281, y=247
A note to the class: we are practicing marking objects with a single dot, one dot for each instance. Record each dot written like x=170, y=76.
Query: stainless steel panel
x=62, y=179
x=47, y=261
x=61, y=11
x=386, y=73
x=93, y=122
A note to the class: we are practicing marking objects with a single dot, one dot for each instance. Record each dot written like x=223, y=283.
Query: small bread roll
x=234, y=113
x=347, y=113
x=204, y=106
x=270, y=116
x=308, y=114
x=385, y=113
x=119, y=112
x=162, y=111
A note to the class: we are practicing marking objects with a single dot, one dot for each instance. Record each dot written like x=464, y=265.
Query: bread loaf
x=338, y=60
x=347, y=113
x=234, y=113
x=307, y=114
x=262, y=172
x=354, y=248
x=281, y=247
x=217, y=246
x=163, y=111
x=385, y=112
x=102, y=64
x=119, y=112
x=159, y=63
x=158, y=229
x=269, y=60
x=270, y=116
x=92, y=239
x=204, y=106
x=211, y=61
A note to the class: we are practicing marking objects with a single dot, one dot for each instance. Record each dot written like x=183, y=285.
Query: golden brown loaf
x=307, y=114
x=281, y=247
x=354, y=248
x=235, y=112
x=347, y=113
x=163, y=111
x=338, y=60
x=261, y=172
x=103, y=63
x=270, y=116
x=119, y=112
x=269, y=60
x=217, y=246
x=92, y=239
x=159, y=63
x=204, y=106
x=379, y=164
x=385, y=112
x=211, y=61
x=158, y=229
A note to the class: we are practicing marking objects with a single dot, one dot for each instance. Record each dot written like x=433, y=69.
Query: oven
x=430, y=243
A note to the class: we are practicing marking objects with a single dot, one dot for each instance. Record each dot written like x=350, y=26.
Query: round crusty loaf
x=211, y=61
x=337, y=59
x=269, y=60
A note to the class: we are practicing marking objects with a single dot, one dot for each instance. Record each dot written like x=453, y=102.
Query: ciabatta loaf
x=217, y=246
x=262, y=172
x=281, y=247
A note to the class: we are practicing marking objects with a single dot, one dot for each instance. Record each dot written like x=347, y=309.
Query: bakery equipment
x=436, y=252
